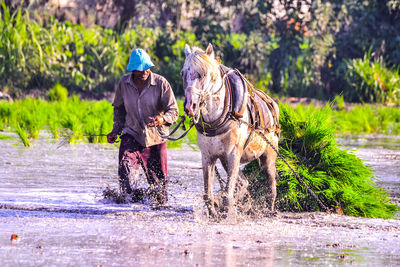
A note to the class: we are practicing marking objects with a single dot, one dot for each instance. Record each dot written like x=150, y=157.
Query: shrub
x=372, y=81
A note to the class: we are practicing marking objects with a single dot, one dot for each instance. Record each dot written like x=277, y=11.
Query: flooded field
x=52, y=199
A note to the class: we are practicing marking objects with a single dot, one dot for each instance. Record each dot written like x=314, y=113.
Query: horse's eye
x=194, y=75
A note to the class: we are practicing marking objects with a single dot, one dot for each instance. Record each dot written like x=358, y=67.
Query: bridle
x=202, y=96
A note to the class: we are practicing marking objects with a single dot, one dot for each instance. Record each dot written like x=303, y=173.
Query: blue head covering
x=139, y=60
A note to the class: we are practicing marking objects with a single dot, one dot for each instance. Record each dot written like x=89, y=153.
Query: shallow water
x=382, y=154
x=52, y=199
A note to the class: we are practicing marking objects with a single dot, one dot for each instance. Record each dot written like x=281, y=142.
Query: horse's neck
x=215, y=102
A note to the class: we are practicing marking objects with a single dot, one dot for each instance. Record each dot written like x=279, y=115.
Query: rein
x=168, y=137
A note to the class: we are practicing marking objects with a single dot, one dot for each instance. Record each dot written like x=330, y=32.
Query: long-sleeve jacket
x=133, y=109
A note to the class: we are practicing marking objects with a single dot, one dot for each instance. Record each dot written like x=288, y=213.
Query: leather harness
x=237, y=99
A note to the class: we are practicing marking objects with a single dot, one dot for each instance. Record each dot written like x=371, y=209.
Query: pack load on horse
x=235, y=123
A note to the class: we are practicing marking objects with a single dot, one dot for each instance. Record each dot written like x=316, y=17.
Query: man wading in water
x=141, y=96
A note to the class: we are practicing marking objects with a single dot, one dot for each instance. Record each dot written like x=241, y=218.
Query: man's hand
x=159, y=121
x=111, y=137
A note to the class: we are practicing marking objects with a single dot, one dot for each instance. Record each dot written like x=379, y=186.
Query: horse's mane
x=202, y=63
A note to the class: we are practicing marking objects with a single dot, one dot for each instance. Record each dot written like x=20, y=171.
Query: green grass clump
x=21, y=132
x=368, y=119
x=58, y=93
x=338, y=177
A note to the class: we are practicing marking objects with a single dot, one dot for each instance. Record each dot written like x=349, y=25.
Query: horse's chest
x=230, y=142
x=211, y=145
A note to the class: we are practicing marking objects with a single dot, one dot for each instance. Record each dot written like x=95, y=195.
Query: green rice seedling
x=389, y=119
x=23, y=135
x=32, y=115
x=58, y=93
x=368, y=119
x=5, y=112
x=93, y=131
x=337, y=176
x=73, y=126
x=54, y=126
x=97, y=121
x=339, y=101
x=25, y=120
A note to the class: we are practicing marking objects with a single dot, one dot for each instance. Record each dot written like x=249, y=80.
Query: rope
x=168, y=137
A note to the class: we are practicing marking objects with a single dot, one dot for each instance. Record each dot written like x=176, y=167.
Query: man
x=141, y=96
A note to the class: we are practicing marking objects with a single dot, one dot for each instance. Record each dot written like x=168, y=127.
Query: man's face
x=141, y=75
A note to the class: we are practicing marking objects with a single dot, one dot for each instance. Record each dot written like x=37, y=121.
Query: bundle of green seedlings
x=338, y=177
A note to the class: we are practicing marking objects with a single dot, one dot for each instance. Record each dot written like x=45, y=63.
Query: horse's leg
x=208, y=175
x=232, y=169
x=267, y=164
x=241, y=183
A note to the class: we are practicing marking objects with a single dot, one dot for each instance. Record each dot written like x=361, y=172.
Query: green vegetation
x=58, y=93
x=337, y=176
x=372, y=81
x=27, y=117
x=72, y=120
x=336, y=47
x=358, y=118
x=83, y=117
x=4, y=137
x=368, y=119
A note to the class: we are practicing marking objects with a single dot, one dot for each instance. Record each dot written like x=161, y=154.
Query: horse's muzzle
x=190, y=110
x=184, y=108
x=189, y=107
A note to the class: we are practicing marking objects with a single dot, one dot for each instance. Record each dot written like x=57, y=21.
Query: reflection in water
x=53, y=200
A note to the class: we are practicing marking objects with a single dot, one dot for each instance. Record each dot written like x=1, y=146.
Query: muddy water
x=52, y=199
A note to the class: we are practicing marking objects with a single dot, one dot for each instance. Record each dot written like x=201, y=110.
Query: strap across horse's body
x=240, y=95
x=236, y=99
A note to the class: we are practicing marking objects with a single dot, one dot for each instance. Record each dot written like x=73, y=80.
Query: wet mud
x=52, y=199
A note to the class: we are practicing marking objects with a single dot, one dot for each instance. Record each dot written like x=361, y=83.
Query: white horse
x=206, y=101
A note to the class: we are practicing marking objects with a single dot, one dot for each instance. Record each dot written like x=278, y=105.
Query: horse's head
x=199, y=74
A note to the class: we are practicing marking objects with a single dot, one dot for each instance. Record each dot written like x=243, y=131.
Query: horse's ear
x=210, y=50
x=187, y=50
